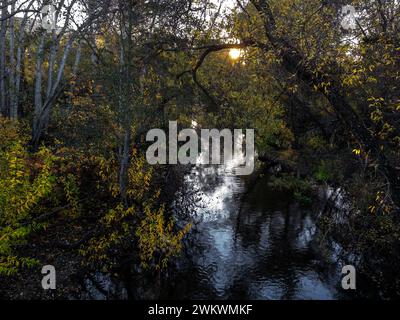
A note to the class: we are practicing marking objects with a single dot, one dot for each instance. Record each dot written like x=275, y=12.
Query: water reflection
x=249, y=244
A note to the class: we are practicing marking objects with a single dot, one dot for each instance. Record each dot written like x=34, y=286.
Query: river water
x=250, y=242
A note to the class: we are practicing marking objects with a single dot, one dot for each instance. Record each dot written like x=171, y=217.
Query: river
x=250, y=242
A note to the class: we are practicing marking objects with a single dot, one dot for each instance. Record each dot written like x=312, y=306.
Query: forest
x=84, y=82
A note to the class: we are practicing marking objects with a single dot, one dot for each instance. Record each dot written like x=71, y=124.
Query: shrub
x=24, y=181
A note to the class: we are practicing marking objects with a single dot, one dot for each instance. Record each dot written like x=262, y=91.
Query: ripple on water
x=264, y=252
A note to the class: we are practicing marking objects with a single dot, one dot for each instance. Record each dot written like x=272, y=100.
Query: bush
x=24, y=181
x=323, y=173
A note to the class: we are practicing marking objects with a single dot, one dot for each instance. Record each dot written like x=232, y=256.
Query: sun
x=235, y=54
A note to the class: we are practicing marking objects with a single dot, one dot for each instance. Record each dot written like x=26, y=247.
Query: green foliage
x=124, y=226
x=323, y=173
x=24, y=181
x=300, y=188
x=315, y=142
x=72, y=193
x=157, y=240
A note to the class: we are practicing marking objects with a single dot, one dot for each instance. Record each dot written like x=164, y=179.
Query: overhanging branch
x=208, y=49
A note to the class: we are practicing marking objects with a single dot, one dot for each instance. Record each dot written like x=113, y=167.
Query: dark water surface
x=250, y=243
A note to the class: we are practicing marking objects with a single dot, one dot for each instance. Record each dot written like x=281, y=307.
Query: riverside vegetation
x=77, y=102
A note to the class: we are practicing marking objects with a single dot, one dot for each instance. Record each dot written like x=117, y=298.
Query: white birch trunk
x=13, y=109
x=3, y=30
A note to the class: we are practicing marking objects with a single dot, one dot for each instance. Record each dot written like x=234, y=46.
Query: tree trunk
x=124, y=166
x=3, y=30
x=38, y=94
x=42, y=110
x=19, y=61
x=13, y=109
